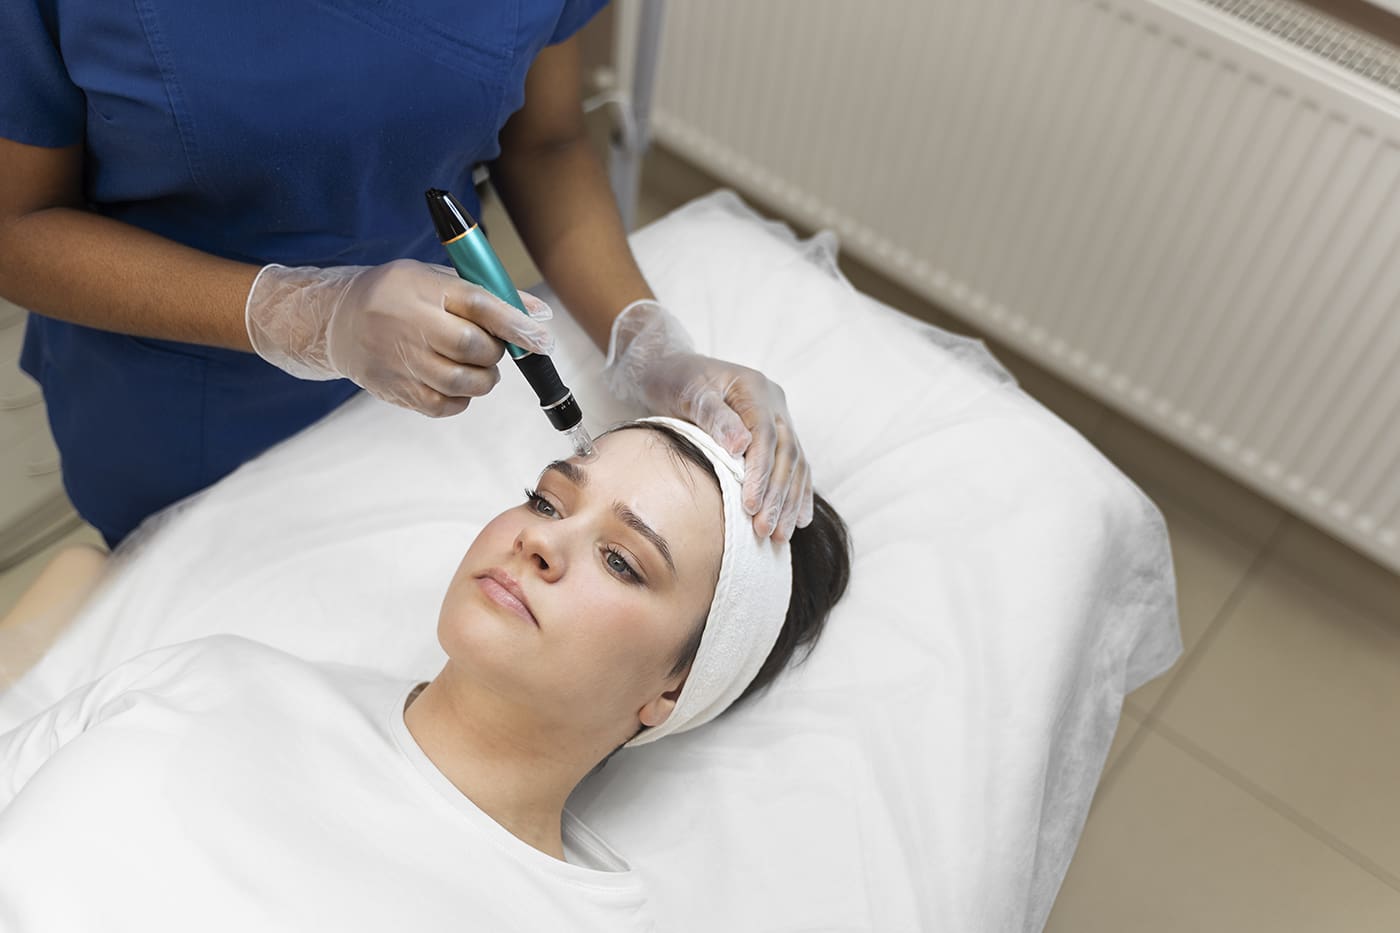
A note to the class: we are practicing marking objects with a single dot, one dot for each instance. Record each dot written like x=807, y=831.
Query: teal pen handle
x=475, y=261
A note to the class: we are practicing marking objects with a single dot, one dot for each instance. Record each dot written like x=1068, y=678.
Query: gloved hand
x=407, y=332
x=651, y=360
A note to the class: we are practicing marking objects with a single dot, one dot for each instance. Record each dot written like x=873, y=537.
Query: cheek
x=629, y=633
x=497, y=534
x=499, y=531
x=492, y=544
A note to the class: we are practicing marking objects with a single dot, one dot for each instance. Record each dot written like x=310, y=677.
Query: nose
x=542, y=544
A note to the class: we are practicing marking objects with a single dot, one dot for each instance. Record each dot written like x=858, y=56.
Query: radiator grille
x=1165, y=204
x=1321, y=35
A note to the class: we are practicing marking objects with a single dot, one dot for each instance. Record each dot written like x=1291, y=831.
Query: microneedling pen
x=475, y=261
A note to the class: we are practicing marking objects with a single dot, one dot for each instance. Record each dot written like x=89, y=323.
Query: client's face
x=576, y=602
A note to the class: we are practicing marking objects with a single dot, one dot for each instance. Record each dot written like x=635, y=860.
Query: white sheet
x=930, y=767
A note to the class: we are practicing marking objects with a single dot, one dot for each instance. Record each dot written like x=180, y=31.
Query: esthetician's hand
x=651, y=360
x=407, y=332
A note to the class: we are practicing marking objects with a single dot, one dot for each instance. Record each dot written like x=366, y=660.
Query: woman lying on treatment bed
x=224, y=784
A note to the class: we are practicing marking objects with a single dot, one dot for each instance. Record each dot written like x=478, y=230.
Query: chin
x=473, y=634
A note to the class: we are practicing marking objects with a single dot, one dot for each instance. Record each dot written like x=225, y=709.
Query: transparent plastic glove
x=651, y=360
x=407, y=332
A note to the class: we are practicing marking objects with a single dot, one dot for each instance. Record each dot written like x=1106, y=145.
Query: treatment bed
x=930, y=767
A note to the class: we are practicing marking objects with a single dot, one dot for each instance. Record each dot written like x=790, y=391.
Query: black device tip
x=450, y=218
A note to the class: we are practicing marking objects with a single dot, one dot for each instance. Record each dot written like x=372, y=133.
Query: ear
x=659, y=710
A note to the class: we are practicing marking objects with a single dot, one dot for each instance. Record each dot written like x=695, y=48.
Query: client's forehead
x=631, y=456
x=637, y=468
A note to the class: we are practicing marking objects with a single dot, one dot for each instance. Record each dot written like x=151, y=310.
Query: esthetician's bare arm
x=59, y=259
x=556, y=191
x=47, y=606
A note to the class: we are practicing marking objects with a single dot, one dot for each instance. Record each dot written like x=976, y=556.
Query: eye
x=539, y=504
x=618, y=565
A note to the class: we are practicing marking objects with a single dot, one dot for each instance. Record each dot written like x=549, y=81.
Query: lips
x=503, y=590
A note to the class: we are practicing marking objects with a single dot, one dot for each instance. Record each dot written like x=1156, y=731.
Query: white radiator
x=1190, y=209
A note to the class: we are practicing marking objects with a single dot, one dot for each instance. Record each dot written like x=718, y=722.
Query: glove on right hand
x=407, y=332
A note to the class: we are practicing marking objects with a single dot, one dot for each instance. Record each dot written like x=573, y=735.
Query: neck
x=514, y=772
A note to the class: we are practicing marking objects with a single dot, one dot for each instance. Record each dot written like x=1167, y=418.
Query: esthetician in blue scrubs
x=173, y=172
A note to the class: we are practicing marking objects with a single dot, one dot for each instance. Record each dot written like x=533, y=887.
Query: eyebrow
x=579, y=477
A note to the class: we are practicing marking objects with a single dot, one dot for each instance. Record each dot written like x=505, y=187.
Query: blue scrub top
x=302, y=132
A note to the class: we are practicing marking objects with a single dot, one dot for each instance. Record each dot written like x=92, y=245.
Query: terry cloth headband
x=747, y=612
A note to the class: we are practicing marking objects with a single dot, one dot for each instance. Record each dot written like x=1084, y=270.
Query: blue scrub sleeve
x=39, y=104
x=575, y=16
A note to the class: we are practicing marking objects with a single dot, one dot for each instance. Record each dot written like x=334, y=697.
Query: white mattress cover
x=929, y=768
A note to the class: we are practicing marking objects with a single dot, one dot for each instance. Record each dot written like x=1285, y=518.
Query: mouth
x=503, y=590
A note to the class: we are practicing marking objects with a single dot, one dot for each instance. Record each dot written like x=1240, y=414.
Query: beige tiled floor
x=1255, y=787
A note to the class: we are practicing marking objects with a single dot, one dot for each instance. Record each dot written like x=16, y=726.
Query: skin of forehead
x=578, y=473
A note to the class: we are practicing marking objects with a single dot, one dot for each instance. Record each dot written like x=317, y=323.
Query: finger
x=452, y=379
x=809, y=502
x=713, y=415
x=463, y=341
x=774, y=446
x=496, y=317
x=440, y=406
x=792, y=502
x=785, y=482
x=782, y=483
x=797, y=503
x=537, y=309
x=437, y=405
x=769, y=519
x=760, y=460
x=418, y=397
x=743, y=396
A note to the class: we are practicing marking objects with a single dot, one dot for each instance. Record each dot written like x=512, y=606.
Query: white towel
x=747, y=612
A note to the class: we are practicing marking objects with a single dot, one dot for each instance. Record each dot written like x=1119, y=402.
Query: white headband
x=746, y=615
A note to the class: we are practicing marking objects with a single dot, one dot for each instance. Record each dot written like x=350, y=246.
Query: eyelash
x=625, y=573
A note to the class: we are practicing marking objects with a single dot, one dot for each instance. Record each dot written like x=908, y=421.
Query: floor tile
x=1129, y=730
x=1086, y=415
x=1210, y=565
x=1128, y=727
x=671, y=180
x=1299, y=693
x=1165, y=471
x=652, y=207
x=1332, y=565
x=1175, y=846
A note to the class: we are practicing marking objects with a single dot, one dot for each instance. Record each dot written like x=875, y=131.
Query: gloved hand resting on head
x=407, y=332
x=652, y=360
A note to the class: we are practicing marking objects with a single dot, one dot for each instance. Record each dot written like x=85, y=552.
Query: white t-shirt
x=224, y=785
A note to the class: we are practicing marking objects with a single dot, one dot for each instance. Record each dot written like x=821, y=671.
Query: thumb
x=537, y=309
